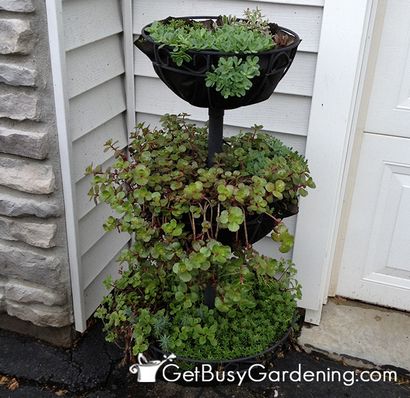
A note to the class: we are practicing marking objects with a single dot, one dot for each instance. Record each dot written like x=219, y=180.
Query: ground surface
x=32, y=369
x=350, y=329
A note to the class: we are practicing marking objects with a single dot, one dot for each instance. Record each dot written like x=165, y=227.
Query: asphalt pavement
x=93, y=368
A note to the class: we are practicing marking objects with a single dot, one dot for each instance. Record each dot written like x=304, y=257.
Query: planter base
x=237, y=365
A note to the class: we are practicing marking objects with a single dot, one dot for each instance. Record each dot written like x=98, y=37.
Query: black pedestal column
x=215, y=133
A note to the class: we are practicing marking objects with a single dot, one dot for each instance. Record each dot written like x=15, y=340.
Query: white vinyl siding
x=285, y=114
x=95, y=70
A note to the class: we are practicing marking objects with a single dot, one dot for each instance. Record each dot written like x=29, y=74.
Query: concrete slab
x=360, y=334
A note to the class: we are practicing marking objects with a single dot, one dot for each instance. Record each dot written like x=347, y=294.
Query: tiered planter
x=188, y=82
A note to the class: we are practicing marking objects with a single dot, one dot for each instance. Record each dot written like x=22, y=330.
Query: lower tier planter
x=236, y=366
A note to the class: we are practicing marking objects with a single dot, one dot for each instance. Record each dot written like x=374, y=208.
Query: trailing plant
x=233, y=74
x=176, y=209
x=165, y=183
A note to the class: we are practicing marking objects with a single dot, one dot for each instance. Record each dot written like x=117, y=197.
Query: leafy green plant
x=254, y=20
x=175, y=208
x=233, y=75
x=255, y=305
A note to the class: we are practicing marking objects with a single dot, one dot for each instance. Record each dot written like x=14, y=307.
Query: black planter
x=257, y=225
x=188, y=80
x=239, y=365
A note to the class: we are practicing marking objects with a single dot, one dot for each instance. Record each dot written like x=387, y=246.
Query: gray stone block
x=19, y=106
x=63, y=337
x=39, y=314
x=2, y=297
x=18, y=205
x=16, y=36
x=25, y=292
x=17, y=75
x=17, y=5
x=32, y=233
x=26, y=175
x=29, y=265
x=30, y=144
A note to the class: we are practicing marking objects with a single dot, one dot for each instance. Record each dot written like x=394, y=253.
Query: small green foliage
x=175, y=207
x=193, y=190
x=231, y=218
x=173, y=228
x=141, y=174
x=254, y=20
x=234, y=37
x=281, y=234
x=254, y=306
x=232, y=76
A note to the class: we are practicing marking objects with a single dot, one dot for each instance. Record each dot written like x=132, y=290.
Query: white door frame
x=341, y=66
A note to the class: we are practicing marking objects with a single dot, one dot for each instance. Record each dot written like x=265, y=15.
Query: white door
x=376, y=257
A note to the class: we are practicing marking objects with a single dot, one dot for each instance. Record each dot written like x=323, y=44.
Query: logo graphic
x=147, y=370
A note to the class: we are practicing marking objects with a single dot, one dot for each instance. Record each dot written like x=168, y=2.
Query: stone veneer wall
x=34, y=277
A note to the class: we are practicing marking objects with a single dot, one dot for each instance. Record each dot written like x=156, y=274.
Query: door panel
x=389, y=106
x=376, y=260
x=375, y=264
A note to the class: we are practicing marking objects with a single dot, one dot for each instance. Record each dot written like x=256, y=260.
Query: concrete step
x=360, y=335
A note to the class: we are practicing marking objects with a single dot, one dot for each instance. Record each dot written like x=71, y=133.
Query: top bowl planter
x=188, y=80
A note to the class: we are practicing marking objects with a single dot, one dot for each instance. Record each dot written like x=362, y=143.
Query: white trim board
x=58, y=63
x=128, y=43
x=336, y=95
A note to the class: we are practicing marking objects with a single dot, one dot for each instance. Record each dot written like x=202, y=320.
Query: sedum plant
x=233, y=74
x=176, y=209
